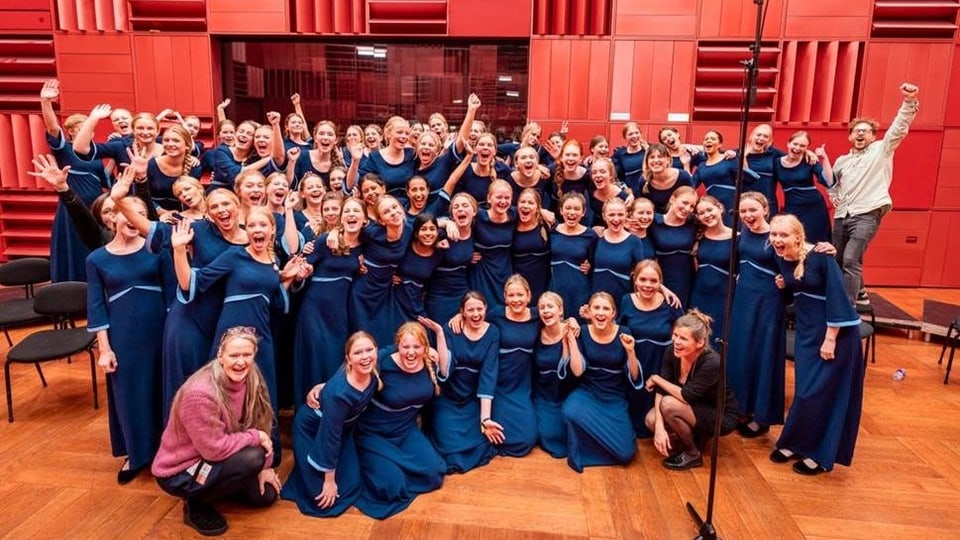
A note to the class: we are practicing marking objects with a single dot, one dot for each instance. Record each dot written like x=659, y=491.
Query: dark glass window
x=367, y=83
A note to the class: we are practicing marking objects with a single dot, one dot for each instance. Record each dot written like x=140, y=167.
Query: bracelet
x=483, y=428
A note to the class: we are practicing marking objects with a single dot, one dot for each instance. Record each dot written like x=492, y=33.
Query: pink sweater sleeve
x=205, y=424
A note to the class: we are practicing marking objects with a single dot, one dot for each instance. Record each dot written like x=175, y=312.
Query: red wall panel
x=652, y=78
x=674, y=19
x=248, y=16
x=23, y=137
x=828, y=19
x=951, y=115
x=888, y=64
x=93, y=69
x=738, y=19
x=569, y=79
x=25, y=16
x=173, y=71
x=941, y=259
x=947, y=194
x=499, y=18
x=895, y=256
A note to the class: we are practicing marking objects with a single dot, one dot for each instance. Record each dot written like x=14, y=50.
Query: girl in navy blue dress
x=718, y=174
x=164, y=170
x=628, y=160
x=228, y=161
x=640, y=215
x=384, y=245
x=596, y=415
x=253, y=285
x=757, y=350
x=824, y=418
x=86, y=179
x=190, y=326
x=683, y=157
x=674, y=235
x=760, y=156
x=323, y=157
x=478, y=179
x=321, y=331
x=519, y=328
x=602, y=174
x=313, y=195
x=142, y=142
x=397, y=462
x=684, y=414
x=662, y=179
x=569, y=175
x=296, y=134
x=371, y=189
x=415, y=270
x=649, y=317
x=796, y=176
x=449, y=281
x=531, y=243
x=617, y=252
x=394, y=163
x=572, y=246
x=528, y=173
x=226, y=134
x=551, y=384
x=468, y=380
x=128, y=294
x=326, y=477
x=493, y=240
x=709, y=292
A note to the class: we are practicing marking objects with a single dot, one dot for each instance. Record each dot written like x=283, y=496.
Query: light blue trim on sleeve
x=481, y=396
x=193, y=289
x=843, y=324
x=98, y=328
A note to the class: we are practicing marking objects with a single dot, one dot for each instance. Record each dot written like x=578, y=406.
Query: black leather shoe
x=747, y=432
x=204, y=518
x=682, y=461
x=125, y=476
x=777, y=456
x=801, y=467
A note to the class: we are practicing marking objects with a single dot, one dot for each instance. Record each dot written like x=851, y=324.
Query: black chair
x=63, y=303
x=951, y=341
x=868, y=332
x=19, y=311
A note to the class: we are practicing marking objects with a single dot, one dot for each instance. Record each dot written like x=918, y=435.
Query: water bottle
x=899, y=374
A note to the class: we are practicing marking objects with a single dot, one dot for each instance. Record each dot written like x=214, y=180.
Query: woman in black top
x=686, y=403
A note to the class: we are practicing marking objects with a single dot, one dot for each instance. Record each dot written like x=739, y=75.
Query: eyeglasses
x=862, y=130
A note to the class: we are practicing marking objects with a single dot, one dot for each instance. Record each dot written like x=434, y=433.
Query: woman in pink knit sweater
x=217, y=441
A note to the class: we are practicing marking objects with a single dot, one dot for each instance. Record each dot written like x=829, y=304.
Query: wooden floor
x=58, y=478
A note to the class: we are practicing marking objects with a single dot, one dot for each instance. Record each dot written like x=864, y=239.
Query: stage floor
x=59, y=477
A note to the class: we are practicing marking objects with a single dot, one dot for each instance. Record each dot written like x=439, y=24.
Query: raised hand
x=628, y=342
x=223, y=104
x=295, y=99
x=138, y=162
x=47, y=170
x=291, y=201
x=101, y=111
x=564, y=128
x=273, y=117
x=181, y=235
x=820, y=151
x=50, y=90
x=430, y=324
x=473, y=102
x=909, y=90
x=293, y=153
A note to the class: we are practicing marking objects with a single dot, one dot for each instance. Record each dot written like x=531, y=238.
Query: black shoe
x=126, y=475
x=863, y=300
x=204, y=518
x=747, y=432
x=681, y=461
x=801, y=467
x=777, y=456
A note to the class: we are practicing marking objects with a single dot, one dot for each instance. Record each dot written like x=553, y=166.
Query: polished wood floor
x=59, y=478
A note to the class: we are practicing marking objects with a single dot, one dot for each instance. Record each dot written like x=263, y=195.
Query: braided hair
x=418, y=332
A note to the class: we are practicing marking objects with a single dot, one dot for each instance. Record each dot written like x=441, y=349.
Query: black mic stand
x=706, y=529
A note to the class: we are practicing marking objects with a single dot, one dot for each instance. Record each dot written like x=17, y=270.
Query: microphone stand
x=706, y=529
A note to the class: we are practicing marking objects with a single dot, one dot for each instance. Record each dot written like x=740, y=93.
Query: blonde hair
x=794, y=225
x=550, y=296
x=193, y=182
x=418, y=332
x=189, y=162
x=351, y=341
x=336, y=159
x=257, y=412
x=643, y=265
x=698, y=323
x=516, y=279
x=759, y=197
x=544, y=234
x=244, y=175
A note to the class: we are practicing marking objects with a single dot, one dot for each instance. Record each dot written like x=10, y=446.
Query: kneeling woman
x=598, y=423
x=325, y=480
x=684, y=410
x=468, y=382
x=217, y=442
x=397, y=461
